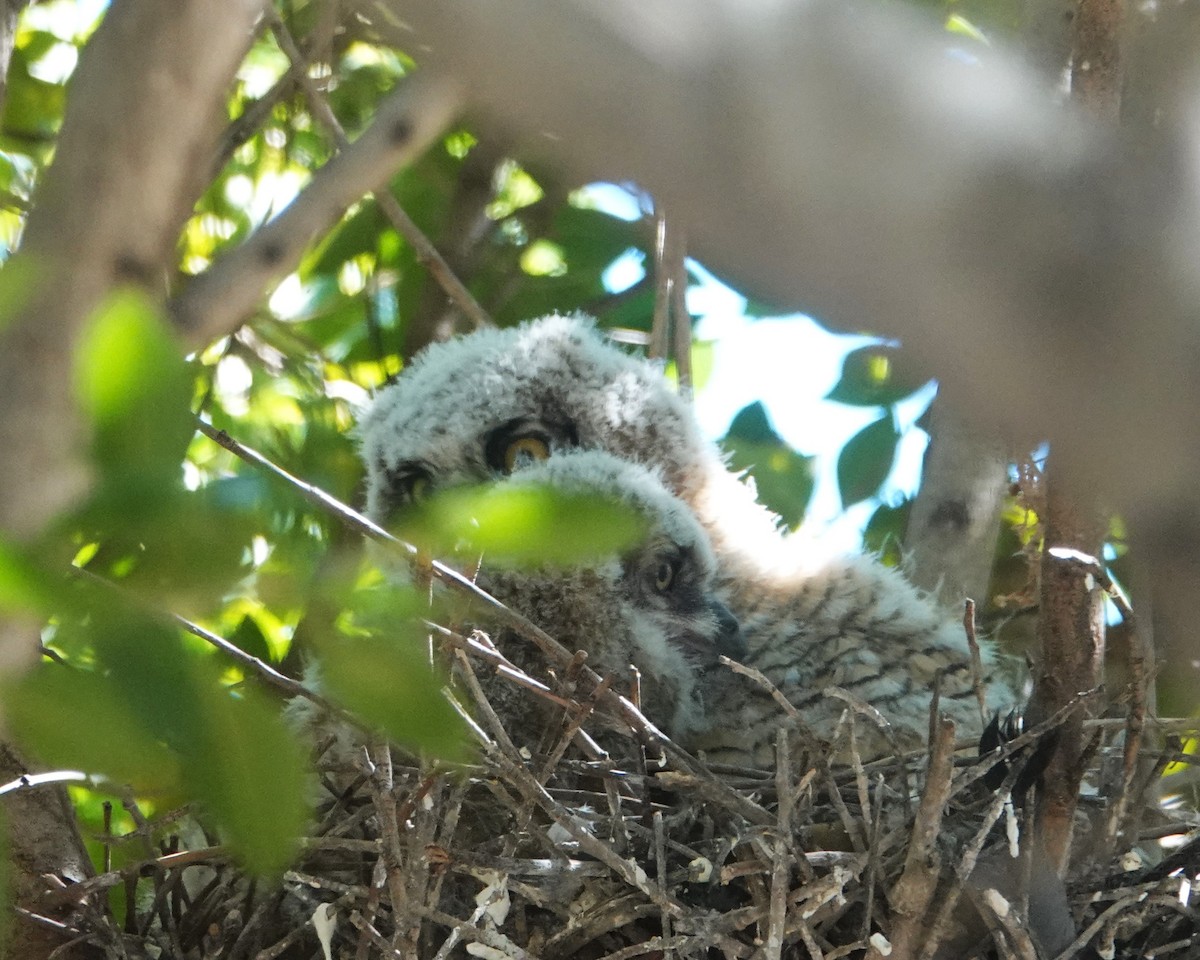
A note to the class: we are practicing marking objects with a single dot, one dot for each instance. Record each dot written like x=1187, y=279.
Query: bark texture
x=1071, y=639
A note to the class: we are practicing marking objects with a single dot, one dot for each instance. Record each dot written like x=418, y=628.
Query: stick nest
x=598, y=839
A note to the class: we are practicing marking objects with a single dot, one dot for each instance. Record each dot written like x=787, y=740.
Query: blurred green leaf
x=79, y=720
x=249, y=771
x=866, y=460
x=33, y=108
x=25, y=587
x=388, y=682
x=784, y=478
x=248, y=637
x=135, y=389
x=524, y=525
x=875, y=376
x=168, y=544
x=233, y=751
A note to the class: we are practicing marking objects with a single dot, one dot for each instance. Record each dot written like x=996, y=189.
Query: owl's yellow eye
x=524, y=450
x=664, y=576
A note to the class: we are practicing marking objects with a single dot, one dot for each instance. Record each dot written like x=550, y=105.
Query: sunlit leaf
x=526, y=525
x=875, y=376
x=958, y=24
x=387, y=682
x=783, y=478
x=79, y=720
x=866, y=460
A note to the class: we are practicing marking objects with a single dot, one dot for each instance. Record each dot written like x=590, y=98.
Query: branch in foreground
x=405, y=124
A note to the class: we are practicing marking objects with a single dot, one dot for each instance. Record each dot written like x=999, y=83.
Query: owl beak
x=729, y=640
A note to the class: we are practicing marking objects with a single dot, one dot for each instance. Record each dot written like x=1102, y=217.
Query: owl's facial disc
x=671, y=582
x=525, y=440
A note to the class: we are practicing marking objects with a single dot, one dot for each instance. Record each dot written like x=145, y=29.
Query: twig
x=948, y=899
x=1135, y=719
x=682, y=330
x=660, y=863
x=912, y=894
x=660, y=322
x=976, y=659
x=780, y=852
x=381, y=783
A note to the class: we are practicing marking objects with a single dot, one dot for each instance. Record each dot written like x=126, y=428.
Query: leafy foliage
x=783, y=477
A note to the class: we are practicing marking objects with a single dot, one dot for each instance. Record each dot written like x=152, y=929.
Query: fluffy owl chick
x=481, y=405
x=494, y=401
x=853, y=624
x=652, y=607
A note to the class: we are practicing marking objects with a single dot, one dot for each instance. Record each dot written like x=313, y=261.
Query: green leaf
x=783, y=477
x=235, y=755
x=79, y=720
x=525, y=525
x=875, y=376
x=884, y=535
x=388, y=682
x=248, y=637
x=135, y=389
x=33, y=108
x=250, y=773
x=25, y=587
x=866, y=460
x=753, y=425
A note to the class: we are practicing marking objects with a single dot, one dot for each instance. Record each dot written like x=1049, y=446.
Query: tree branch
x=220, y=299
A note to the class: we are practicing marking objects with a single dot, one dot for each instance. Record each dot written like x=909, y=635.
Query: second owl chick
x=652, y=607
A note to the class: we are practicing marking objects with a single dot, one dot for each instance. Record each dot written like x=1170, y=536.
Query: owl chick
x=496, y=401
x=652, y=607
